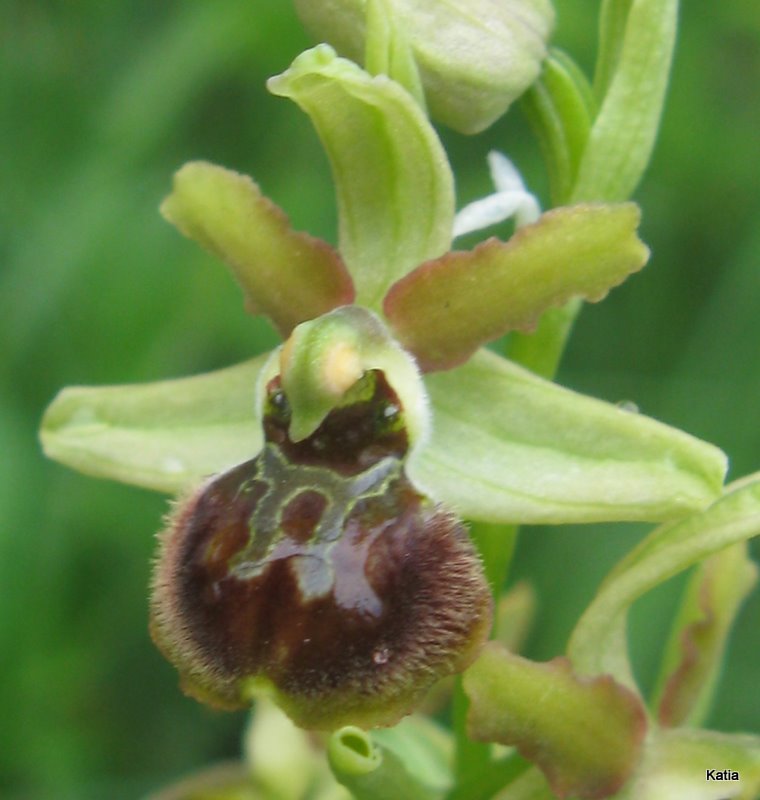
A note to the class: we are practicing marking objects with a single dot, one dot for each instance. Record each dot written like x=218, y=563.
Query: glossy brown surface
x=318, y=566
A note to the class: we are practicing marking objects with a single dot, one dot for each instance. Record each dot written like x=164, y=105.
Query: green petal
x=695, y=653
x=598, y=644
x=509, y=446
x=285, y=275
x=164, y=436
x=474, y=58
x=585, y=735
x=394, y=184
x=444, y=310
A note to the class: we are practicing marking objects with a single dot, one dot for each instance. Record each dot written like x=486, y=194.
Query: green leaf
x=598, y=643
x=445, y=309
x=697, y=645
x=509, y=446
x=474, y=58
x=165, y=436
x=285, y=275
x=624, y=132
x=372, y=772
x=394, y=184
x=585, y=735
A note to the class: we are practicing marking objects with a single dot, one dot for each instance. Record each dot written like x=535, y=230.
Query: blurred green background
x=101, y=102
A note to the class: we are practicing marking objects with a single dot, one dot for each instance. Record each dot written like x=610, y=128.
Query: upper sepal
x=445, y=309
x=286, y=275
x=474, y=58
x=393, y=181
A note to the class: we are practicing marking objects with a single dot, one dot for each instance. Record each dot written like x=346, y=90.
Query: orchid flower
x=503, y=445
x=316, y=554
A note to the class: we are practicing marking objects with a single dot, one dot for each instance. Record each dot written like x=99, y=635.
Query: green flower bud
x=474, y=59
x=318, y=573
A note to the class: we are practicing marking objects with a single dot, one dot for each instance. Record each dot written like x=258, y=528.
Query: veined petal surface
x=394, y=184
x=474, y=58
x=508, y=446
x=598, y=643
x=165, y=436
x=446, y=308
x=286, y=275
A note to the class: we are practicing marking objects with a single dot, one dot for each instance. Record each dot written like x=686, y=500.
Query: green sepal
x=225, y=781
x=425, y=747
x=585, y=735
x=560, y=107
x=286, y=275
x=695, y=652
x=508, y=446
x=285, y=761
x=393, y=181
x=164, y=436
x=623, y=134
x=326, y=356
x=446, y=308
x=598, y=643
x=388, y=52
x=474, y=59
x=613, y=15
x=676, y=763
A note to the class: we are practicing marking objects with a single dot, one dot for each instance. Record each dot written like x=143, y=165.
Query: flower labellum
x=318, y=573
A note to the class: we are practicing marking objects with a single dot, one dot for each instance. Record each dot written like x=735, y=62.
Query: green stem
x=488, y=782
x=570, y=131
x=496, y=545
x=598, y=155
x=471, y=758
x=541, y=351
